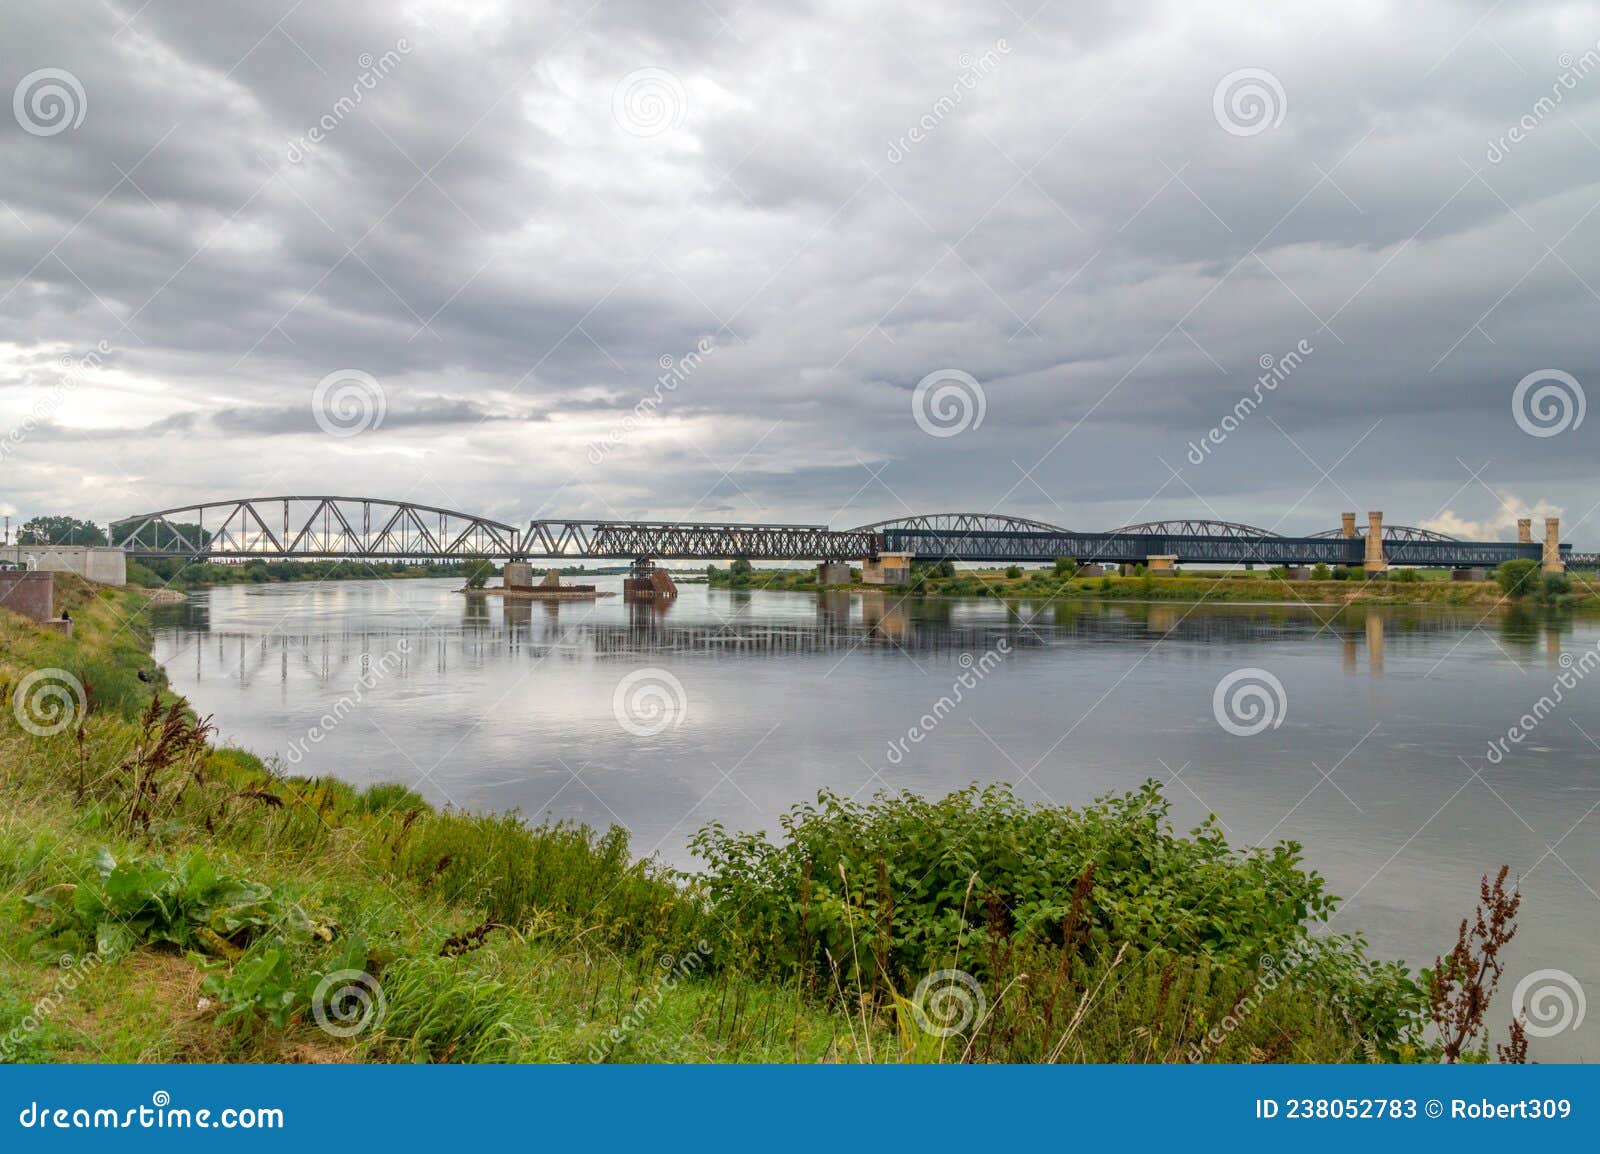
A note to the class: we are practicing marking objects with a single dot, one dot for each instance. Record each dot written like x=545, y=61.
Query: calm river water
x=731, y=706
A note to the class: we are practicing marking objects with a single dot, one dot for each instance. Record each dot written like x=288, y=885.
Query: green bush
x=1555, y=585
x=1405, y=576
x=1320, y=572
x=1013, y=572
x=1517, y=578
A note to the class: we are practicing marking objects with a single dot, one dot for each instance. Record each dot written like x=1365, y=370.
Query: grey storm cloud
x=524, y=222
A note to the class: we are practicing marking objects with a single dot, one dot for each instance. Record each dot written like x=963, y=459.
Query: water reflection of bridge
x=871, y=625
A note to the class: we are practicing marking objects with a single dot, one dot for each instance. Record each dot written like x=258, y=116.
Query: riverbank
x=1196, y=588
x=209, y=907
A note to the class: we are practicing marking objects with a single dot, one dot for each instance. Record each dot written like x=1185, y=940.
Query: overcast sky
x=447, y=251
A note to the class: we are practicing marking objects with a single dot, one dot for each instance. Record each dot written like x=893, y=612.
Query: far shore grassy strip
x=163, y=899
x=1401, y=587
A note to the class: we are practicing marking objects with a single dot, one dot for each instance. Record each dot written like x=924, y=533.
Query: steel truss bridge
x=371, y=528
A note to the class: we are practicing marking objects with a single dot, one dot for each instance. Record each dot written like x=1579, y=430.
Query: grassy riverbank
x=162, y=899
x=1047, y=585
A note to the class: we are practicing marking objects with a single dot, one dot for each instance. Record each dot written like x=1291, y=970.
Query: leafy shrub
x=920, y=884
x=1518, y=577
x=1555, y=585
x=1405, y=576
x=1013, y=572
x=1320, y=572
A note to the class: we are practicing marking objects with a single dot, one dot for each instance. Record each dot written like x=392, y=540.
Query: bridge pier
x=1374, y=564
x=886, y=569
x=833, y=573
x=645, y=582
x=1161, y=562
x=1525, y=530
x=1552, y=546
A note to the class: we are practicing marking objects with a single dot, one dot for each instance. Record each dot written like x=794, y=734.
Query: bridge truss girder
x=311, y=527
x=688, y=541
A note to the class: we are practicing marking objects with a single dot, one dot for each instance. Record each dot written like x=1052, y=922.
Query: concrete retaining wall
x=98, y=563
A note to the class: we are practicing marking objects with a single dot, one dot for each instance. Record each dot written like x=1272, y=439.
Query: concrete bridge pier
x=1525, y=530
x=833, y=573
x=886, y=569
x=1552, y=546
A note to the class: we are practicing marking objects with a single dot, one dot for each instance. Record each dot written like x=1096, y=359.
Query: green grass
x=1428, y=587
x=208, y=908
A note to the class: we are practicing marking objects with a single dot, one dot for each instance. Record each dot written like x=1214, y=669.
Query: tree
x=1516, y=577
x=1555, y=585
x=1320, y=572
x=1013, y=572
x=740, y=567
x=1066, y=567
x=478, y=571
x=60, y=531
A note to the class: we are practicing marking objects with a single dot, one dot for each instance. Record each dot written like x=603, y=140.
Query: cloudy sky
x=450, y=251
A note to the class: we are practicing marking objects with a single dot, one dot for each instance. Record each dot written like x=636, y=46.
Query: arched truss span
x=962, y=523
x=1395, y=533
x=1196, y=527
x=308, y=527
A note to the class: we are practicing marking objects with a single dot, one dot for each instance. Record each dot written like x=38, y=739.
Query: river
x=1368, y=736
